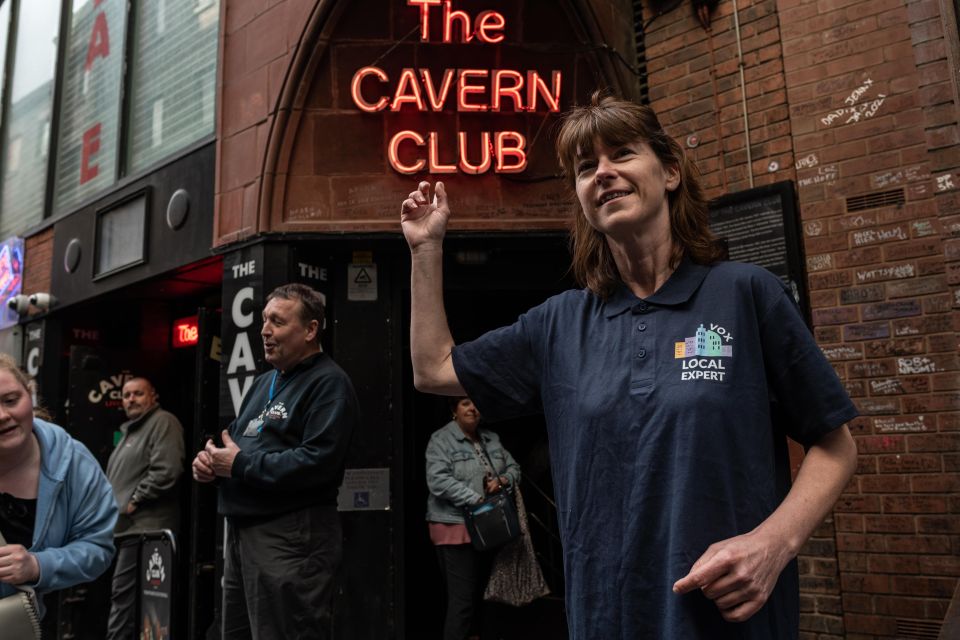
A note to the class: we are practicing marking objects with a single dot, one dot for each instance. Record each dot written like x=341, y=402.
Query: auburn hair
x=616, y=122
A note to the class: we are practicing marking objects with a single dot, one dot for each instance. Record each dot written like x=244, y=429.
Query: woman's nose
x=605, y=170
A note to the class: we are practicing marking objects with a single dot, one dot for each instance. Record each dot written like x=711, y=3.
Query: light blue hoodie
x=76, y=513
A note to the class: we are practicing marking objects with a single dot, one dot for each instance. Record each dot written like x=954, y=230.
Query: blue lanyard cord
x=272, y=386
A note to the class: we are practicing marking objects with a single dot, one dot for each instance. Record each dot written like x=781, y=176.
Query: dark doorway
x=105, y=341
x=488, y=283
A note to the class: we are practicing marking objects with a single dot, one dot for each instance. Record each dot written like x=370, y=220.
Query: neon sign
x=470, y=90
x=186, y=332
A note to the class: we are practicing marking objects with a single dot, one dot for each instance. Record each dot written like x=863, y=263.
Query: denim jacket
x=455, y=475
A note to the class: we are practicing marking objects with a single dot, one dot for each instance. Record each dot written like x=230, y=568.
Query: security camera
x=19, y=303
x=43, y=301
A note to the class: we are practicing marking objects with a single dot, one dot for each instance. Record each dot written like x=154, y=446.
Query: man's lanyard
x=273, y=384
x=274, y=390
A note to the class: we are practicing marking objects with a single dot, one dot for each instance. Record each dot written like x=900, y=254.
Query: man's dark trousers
x=123, y=614
x=279, y=573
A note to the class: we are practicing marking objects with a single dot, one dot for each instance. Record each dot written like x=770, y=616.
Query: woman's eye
x=584, y=166
x=624, y=151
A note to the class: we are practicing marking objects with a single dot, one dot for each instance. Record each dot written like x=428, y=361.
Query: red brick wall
x=851, y=98
x=38, y=260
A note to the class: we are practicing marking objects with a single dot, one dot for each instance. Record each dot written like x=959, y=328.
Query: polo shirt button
x=642, y=307
x=641, y=327
x=641, y=353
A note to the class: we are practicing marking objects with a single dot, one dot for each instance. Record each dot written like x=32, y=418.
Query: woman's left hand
x=738, y=574
x=17, y=565
x=491, y=485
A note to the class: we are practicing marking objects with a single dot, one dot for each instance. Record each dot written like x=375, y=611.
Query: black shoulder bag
x=493, y=522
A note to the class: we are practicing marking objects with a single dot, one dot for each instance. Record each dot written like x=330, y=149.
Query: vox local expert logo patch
x=702, y=356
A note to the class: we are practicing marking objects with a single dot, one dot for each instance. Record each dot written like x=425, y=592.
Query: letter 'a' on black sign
x=761, y=226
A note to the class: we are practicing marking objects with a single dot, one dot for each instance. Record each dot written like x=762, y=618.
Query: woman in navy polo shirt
x=668, y=384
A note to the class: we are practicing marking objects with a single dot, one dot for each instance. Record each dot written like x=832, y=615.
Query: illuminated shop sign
x=470, y=90
x=186, y=332
x=11, y=278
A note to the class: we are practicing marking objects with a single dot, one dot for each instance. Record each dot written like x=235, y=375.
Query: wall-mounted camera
x=19, y=303
x=43, y=301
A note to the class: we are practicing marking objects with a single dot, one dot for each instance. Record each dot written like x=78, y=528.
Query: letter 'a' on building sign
x=464, y=90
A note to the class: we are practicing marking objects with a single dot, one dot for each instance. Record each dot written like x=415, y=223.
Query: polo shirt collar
x=679, y=288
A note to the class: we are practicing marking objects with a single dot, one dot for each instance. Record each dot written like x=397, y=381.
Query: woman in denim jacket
x=456, y=477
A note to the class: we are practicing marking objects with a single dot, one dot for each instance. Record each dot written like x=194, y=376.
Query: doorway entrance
x=488, y=283
x=167, y=330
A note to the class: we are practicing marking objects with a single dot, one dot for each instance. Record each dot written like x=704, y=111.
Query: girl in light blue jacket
x=57, y=510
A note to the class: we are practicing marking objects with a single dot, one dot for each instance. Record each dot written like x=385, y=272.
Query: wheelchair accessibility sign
x=365, y=490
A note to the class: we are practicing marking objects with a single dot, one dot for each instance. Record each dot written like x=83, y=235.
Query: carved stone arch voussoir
x=310, y=50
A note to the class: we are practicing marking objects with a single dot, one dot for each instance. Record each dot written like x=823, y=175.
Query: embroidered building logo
x=702, y=353
x=277, y=412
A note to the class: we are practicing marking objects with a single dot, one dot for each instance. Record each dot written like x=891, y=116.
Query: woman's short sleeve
x=501, y=370
x=808, y=390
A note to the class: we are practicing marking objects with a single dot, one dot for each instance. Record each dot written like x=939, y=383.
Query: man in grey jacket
x=144, y=469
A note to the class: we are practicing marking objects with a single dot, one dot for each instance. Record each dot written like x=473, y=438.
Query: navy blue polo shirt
x=662, y=437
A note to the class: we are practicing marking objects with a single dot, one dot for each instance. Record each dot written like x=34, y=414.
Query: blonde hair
x=8, y=364
x=616, y=122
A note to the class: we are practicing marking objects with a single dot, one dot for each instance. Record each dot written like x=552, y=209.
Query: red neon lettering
x=490, y=21
x=424, y=15
x=408, y=83
x=449, y=15
x=187, y=334
x=515, y=151
x=437, y=100
x=536, y=84
x=90, y=146
x=501, y=90
x=99, y=41
x=485, y=162
x=369, y=107
x=467, y=88
x=393, y=152
x=97, y=3
x=434, y=157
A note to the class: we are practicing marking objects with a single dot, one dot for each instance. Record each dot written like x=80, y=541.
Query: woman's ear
x=672, y=176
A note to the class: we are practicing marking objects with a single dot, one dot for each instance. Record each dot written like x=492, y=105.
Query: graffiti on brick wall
x=886, y=387
x=898, y=176
x=855, y=111
x=869, y=236
x=916, y=364
x=813, y=228
x=946, y=182
x=841, y=353
x=886, y=273
x=819, y=262
x=823, y=175
x=923, y=228
x=808, y=161
x=900, y=424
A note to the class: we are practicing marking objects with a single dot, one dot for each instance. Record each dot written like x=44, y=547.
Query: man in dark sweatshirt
x=143, y=470
x=279, y=471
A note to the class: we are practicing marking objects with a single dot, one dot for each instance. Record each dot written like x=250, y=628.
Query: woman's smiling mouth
x=611, y=195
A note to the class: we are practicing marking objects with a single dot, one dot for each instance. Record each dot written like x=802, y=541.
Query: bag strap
x=485, y=460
